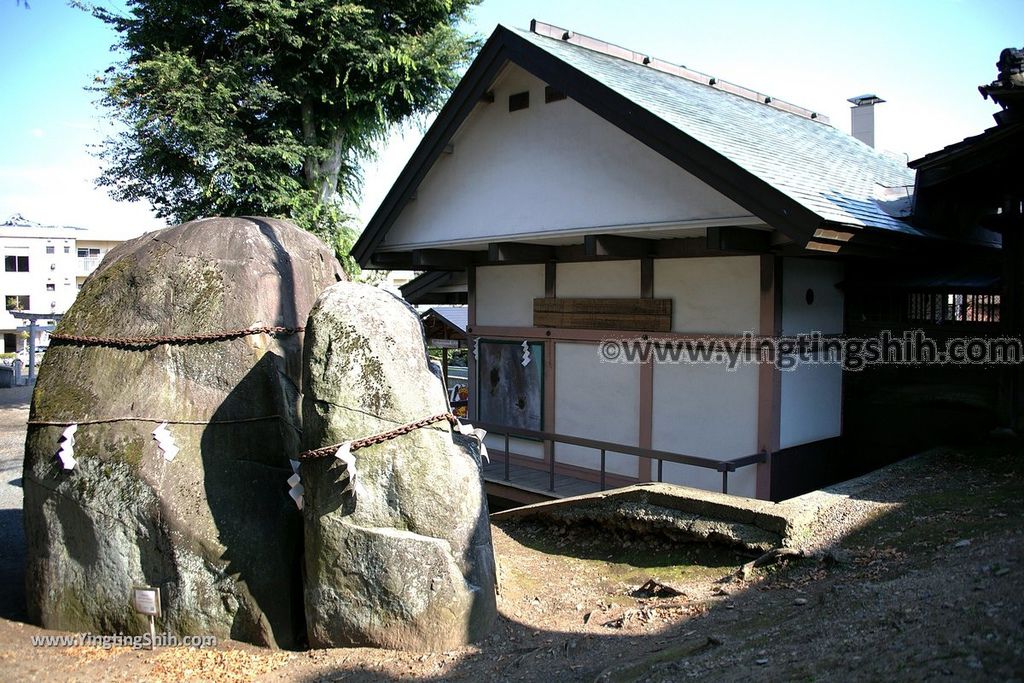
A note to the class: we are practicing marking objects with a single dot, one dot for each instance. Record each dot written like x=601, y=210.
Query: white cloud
x=65, y=194
x=38, y=132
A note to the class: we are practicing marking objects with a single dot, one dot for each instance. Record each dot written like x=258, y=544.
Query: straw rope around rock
x=151, y=341
x=378, y=438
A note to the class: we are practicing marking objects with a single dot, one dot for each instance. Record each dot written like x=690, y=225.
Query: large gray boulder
x=406, y=563
x=214, y=527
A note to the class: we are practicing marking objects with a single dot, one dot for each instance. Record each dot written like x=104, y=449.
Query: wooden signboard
x=648, y=315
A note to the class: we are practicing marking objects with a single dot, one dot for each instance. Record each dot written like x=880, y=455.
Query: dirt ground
x=916, y=577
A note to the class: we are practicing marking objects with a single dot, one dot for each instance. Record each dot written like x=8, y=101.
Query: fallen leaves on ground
x=216, y=666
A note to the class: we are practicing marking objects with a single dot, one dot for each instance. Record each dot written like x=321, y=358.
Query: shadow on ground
x=926, y=586
x=12, y=566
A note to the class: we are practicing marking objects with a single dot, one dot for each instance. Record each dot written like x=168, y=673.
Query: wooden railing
x=723, y=466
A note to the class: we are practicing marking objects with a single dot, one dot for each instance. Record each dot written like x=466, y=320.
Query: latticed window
x=941, y=307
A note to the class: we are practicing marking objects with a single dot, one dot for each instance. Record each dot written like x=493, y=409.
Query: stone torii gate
x=33, y=327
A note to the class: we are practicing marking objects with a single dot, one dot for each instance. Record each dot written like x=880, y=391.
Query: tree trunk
x=321, y=176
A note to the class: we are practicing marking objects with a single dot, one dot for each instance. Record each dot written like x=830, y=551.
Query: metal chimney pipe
x=862, y=117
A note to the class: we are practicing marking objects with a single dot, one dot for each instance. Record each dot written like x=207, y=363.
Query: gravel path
x=14, y=404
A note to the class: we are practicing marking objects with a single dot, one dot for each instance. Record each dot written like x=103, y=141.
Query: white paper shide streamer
x=476, y=347
x=526, y=353
x=344, y=454
x=165, y=441
x=295, y=486
x=472, y=432
x=67, y=448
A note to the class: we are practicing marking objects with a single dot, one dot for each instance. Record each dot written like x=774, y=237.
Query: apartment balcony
x=87, y=265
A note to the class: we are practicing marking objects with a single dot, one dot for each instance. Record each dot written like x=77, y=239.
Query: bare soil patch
x=915, y=576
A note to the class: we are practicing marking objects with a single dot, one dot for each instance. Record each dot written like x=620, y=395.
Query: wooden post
x=548, y=421
x=444, y=366
x=769, y=381
x=472, y=361
x=644, y=438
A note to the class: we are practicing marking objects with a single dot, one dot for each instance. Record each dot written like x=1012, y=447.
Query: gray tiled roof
x=827, y=171
x=456, y=315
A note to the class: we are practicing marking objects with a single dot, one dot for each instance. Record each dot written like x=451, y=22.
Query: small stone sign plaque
x=147, y=600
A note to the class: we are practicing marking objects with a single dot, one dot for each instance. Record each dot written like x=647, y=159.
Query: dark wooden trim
x=604, y=314
x=445, y=259
x=508, y=253
x=471, y=297
x=472, y=408
x=868, y=241
x=690, y=247
x=550, y=280
x=729, y=238
x=550, y=395
x=392, y=260
x=548, y=418
x=646, y=278
x=617, y=246
x=769, y=379
x=519, y=252
x=574, y=335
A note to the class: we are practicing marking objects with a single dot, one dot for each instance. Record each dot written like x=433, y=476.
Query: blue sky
x=925, y=57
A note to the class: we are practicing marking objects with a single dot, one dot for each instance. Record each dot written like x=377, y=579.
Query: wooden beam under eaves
x=731, y=238
x=518, y=252
x=617, y=246
x=392, y=260
x=444, y=259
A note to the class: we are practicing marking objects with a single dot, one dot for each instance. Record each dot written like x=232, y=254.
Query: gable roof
x=456, y=317
x=798, y=175
x=437, y=287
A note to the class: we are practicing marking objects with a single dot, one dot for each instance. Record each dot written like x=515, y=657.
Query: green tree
x=267, y=107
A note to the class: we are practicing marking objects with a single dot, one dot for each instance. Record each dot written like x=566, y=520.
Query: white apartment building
x=43, y=268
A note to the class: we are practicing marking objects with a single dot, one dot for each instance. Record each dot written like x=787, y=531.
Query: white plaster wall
x=811, y=399
x=718, y=295
x=707, y=411
x=811, y=404
x=825, y=314
x=546, y=169
x=505, y=294
x=527, y=447
x=597, y=279
x=595, y=400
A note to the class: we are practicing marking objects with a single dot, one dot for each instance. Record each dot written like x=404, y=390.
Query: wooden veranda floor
x=528, y=485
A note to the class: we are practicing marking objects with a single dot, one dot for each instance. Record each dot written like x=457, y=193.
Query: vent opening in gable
x=519, y=100
x=552, y=94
